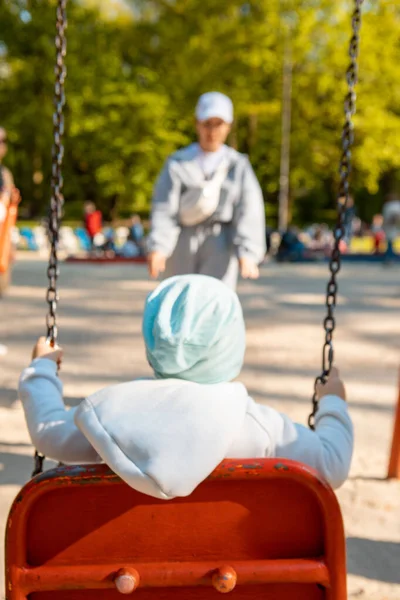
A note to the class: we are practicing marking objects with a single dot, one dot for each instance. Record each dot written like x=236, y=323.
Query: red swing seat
x=272, y=527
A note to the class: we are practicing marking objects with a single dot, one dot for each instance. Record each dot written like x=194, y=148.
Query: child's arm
x=329, y=448
x=51, y=426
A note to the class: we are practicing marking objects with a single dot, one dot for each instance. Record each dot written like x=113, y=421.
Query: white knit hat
x=193, y=329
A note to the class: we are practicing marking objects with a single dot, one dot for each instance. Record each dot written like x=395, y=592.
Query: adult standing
x=348, y=221
x=6, y=179
x=6, y=192
x=207, y=210
x=391, y=224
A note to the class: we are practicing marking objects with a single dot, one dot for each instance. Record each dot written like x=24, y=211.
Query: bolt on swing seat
x=265, y=528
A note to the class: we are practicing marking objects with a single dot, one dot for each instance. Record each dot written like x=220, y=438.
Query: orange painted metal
x=5, y=232
x=169, y=574
x=394, y=460
x=276, y=524
x=126, y=581
x=224, y=579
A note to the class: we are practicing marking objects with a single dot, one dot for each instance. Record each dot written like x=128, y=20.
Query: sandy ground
x=100, y=331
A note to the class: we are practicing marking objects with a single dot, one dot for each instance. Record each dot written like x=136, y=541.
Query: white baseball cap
x=214, y=105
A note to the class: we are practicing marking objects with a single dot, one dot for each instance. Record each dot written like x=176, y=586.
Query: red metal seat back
x=275, y=523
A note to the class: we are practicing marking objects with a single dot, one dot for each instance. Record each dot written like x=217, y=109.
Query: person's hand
x=248, y=268
x=156, y=262
x=334, y=386
x=43, y=349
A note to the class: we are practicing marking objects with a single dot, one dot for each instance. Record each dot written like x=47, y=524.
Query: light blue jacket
x=241, y=203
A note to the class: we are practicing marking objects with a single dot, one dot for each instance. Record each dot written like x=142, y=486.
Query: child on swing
x=166, y=434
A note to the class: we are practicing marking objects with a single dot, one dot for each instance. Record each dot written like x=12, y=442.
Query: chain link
x=57, y=199
x=329, y=322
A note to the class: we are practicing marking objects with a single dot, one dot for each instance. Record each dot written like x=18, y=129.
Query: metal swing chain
x=57, y=198
x=344, y=170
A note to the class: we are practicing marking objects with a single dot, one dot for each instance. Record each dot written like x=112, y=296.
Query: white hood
x=163, y=437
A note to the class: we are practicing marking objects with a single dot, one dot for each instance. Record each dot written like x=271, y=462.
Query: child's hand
x=43, y=349
x=334, y=386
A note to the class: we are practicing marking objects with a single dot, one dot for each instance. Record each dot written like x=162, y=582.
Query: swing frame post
x=394, y=460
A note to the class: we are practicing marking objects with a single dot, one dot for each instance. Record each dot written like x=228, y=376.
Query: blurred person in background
x=93, y=221
x=208, y=210
x=348, y=221
x=391, y=223
x=6, y=179
x=291, y=247
x=7, y=190
x=136, y=233
x=377, y=232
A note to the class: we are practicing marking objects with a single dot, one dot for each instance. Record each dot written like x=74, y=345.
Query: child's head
x=193, y=329
x=89, y=207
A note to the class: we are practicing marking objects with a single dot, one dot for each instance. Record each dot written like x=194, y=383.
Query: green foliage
x=134, y=76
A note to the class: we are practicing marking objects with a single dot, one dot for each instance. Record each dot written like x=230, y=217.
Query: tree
x=134, y=76
x=118, y=127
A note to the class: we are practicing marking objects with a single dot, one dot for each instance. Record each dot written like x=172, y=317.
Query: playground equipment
x=394, y=460
x=266, y=529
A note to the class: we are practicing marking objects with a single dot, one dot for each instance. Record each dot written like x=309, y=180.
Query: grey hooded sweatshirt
x=237, y=227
